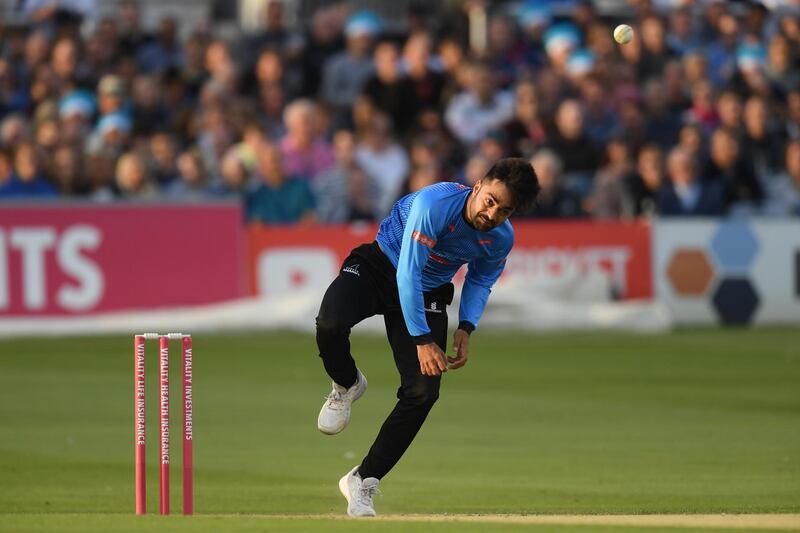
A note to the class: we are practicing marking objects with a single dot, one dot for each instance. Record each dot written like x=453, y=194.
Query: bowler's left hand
x=461, y=347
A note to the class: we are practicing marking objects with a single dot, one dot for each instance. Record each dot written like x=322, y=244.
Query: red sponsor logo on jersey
x=484, y=241
x=452, y=228
x=423, y=239
x=439, y=259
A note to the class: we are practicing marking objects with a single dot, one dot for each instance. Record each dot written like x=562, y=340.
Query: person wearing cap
x=108, y=140
x=559, y=43
x=345, y=73
x=110, y=94
x=76, y=110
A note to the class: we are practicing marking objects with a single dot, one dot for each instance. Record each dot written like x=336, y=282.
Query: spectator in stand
x=423, y=151
x=781, y=68
x=428, y=83
x=37, y=50
x=577, y=154
x=783, y=190
x=149, y=114
x=729, y=109
x=682, y=36
x=760, y=144
x=655, y=50
x=685, y=194
x=722, y=52
x=534, y=18
x=734, y=172
x=110, y=95
x=389, y=90
x=791, y=123
x=215, y=137
x=234, y=177
x=505, y=50
x=220, y=66
x=6, y=168
x=13, y=130
x=431, y=127
x=610, y=199
x=695, y=67
x=75, y=112
x=190, y=182
x=345, y=73
x=163, y=52
x=599, y=117
x=270, y=73
x=750, y=77
x=526, y=130
x=277, y=198
x=453, y=58
x=554, y=200
x=66, y=171
x=304, y=152
x=559, y=42
x=691, y=138
x=64, y=16
x=675, y=88
x=162, y=161
x=47, y=136
x=494, y=146
x=323, y=41
x=476, y=168
x=69, y=75
x=131, y=34
x=481, y=108
x=422, y=177
x=100, y=49
x=703, y=111
x=28, y=180
x=662, y=126
x=643, y=186
x=384, y=160
x=274, y=33
x=345, y=192
x=131, y=181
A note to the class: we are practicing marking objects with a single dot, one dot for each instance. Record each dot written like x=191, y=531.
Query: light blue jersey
x=427, y=240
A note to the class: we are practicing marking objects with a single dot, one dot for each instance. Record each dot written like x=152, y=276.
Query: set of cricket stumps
x=140, y=426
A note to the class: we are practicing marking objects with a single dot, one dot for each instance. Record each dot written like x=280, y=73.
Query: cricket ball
x=623, y=34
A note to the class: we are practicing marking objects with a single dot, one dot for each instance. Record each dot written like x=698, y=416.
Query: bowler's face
x=490, y=204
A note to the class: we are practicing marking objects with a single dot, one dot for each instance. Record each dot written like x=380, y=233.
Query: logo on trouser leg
x=433, y=308
x=352, y=269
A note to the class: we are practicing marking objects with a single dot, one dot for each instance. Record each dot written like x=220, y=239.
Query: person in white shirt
x=384, y=160
x=481, y=108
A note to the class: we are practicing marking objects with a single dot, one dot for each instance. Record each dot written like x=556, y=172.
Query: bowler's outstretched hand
x=432, y=361
x=461, y=347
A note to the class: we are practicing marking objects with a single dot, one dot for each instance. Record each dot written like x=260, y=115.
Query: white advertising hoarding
x=734, y=271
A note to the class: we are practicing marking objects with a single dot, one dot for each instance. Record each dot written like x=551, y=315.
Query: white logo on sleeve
x=352, y=269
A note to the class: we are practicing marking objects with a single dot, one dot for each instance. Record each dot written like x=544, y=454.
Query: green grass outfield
x=696, y=421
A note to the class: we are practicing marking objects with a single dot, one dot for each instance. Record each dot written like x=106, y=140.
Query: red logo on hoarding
x=423, y=239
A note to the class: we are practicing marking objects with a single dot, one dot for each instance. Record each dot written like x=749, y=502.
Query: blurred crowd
x=333, y=119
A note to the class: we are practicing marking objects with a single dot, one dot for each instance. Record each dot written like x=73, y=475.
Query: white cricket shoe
x=335, y=413
x=359, y=493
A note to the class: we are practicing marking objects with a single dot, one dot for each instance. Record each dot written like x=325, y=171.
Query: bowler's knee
x=331, y=326
x=421, y=392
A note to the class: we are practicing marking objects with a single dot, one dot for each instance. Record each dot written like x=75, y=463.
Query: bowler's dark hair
x=518, y=175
